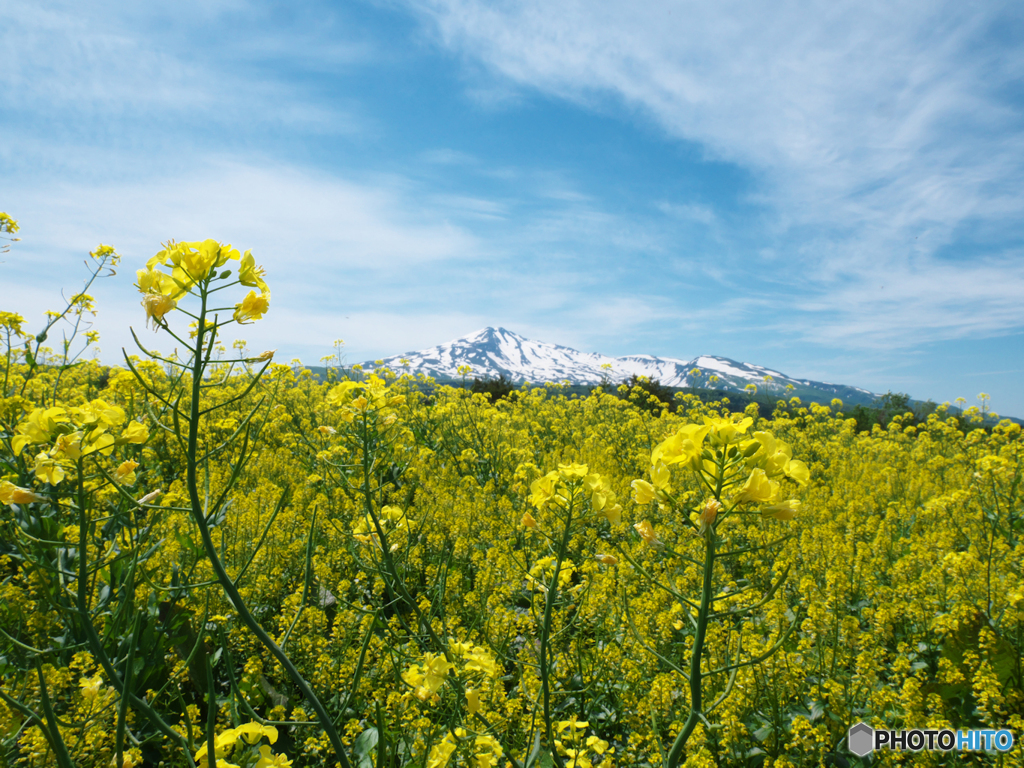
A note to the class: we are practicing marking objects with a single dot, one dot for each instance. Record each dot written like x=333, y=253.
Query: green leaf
x=364, y=747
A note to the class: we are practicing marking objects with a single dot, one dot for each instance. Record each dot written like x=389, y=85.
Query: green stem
x=545, y=635
x=679, y=745
x=51, y=729
x=218, y=567
x=93, y=638
x=703, y=613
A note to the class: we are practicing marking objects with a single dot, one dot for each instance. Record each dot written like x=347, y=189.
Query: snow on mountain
x=493, y=352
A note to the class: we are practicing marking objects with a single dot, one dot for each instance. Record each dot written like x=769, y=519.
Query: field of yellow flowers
x=212, y=552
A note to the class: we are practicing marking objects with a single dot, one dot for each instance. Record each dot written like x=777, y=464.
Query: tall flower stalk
x=196, y=271
x=736, y=475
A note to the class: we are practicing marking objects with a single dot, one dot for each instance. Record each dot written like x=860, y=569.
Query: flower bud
x=149, y=496
x=709, y=514
x=646, y=531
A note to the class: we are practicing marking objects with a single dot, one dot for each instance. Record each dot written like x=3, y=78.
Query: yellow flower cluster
x=483, y=750
x=242, y=737
x=76, y=432
x=571, y=482
x=720, y=452
x=192, y=263
x=579, y=750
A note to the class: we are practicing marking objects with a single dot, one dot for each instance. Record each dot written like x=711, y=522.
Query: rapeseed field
x=209, y=552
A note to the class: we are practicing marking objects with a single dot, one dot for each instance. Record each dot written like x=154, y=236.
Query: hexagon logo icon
x=861, y=739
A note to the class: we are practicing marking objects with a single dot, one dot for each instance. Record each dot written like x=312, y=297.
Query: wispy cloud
x=881, y=135
x=78, y=73
x=302, y=221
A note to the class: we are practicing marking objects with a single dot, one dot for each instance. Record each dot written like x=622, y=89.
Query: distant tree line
x=653, y=396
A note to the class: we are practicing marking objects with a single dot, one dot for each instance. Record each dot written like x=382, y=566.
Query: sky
x=829, y=189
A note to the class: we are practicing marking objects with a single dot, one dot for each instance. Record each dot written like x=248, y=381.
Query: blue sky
x=831, y=190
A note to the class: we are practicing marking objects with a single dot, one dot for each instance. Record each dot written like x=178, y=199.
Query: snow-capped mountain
x=494, y=352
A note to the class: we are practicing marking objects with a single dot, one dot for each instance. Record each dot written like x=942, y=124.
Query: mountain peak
x=490, y=330
x=495, y=351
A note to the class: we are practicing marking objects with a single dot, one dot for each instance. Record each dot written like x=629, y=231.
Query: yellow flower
x=472, y=701
x=571, y=725
x=607, y=559
x=798, y=471
x=785, y=510
x=136, y=433
x=479, y=660
x=37, y=427
x=223, y=744
x=13, y=494
x=643, y=492
x=12, y=321
x=253, y=732
x=67, y=447
x=153, y=281
x=660, y=476
x=252, y=308
x=758, y=488
x=193, y=261
x=573, y=471
x=128, y=760
x=542, y=489
x=7, y=224
x=487, y=751
x=157, y=305
x=91, y=687
x=683, y=447
x=269, y=760
x=429, y=678
x=724, y=431
x=340, y=394
x=441, y=753
x=528, y=521
x=47, y=470
x=125, y=473
x=613, y=514
x=251, y=275
x=98, y=412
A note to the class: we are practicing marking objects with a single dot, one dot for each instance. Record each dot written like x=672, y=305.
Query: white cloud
x=933, y=304
x=879, y=134
x=298, y=221
x=85, y=68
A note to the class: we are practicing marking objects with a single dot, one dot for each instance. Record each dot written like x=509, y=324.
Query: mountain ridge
x=492, y=352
